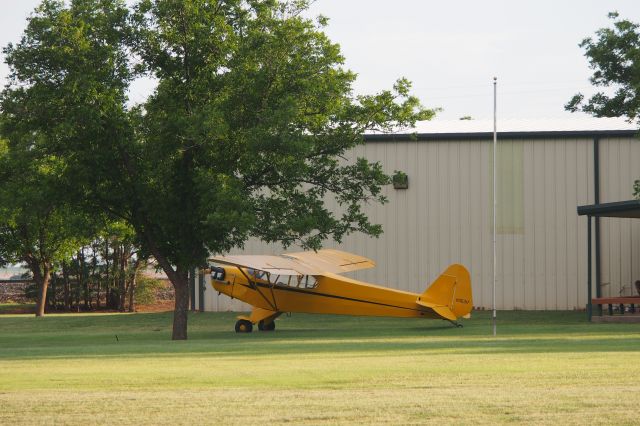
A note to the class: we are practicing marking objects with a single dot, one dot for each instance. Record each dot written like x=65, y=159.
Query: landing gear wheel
x=455, y=323
x=244, y=326
x=270, y=326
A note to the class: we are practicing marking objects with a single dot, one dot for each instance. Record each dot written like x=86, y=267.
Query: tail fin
x=450, y=294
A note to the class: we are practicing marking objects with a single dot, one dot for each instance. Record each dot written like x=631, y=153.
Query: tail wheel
x=266, y=326
x=244, y=326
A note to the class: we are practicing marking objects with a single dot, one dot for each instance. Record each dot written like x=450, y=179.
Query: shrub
x=146, y=289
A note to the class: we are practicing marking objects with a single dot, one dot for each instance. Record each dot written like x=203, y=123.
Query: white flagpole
x=495, y=199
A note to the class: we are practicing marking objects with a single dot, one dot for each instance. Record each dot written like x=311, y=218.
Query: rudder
x=450, y=294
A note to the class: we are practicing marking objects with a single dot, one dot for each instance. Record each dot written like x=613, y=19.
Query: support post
x=589, y=312
x=495, y=202
x=596, y=196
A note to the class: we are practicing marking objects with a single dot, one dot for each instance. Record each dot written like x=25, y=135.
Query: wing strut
x=253, y=285
x=273, y=296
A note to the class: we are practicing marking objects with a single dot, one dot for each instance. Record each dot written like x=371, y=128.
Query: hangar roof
x=629, y=208
x=512, y=129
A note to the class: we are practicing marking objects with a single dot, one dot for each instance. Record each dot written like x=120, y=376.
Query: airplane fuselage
x=329, y=294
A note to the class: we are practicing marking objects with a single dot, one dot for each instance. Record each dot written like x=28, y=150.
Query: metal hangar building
x=546, y=168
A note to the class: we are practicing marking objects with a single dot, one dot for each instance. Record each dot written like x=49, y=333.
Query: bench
x=620, y=301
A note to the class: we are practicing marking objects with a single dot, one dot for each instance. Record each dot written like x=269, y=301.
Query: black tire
x=244, y=326
x=270, y=326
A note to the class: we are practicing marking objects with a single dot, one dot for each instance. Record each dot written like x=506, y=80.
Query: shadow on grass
x=17, y=308
x=211, y=334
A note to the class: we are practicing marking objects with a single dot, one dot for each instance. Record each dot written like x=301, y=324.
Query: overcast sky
x=450, y=50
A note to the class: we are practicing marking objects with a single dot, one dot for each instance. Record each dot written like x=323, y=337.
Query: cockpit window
x=300, y=281
x=309, y=281
x=256, y=274
x=284, y=280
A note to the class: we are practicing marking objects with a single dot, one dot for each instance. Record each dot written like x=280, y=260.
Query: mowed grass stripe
x=542, y=368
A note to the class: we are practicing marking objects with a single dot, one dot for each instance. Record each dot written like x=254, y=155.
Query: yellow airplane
x=310, y=282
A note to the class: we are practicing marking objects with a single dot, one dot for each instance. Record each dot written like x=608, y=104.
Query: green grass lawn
x=542, y=368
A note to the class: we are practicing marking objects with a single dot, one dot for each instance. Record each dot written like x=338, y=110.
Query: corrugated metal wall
x=620, y=248
x=445, y=217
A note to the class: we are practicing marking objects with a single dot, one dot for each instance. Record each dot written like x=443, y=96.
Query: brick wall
x=12, y=292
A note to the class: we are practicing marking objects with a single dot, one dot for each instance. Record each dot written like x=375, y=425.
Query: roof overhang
x=630, y=209
x=488, y=136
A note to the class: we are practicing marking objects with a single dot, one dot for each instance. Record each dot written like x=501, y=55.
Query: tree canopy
x=614, y=55
x=39, y=226
x=244, y=136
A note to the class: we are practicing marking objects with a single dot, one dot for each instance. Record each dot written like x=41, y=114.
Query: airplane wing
x=302, y=263
x=334, y=261
x=277, y=265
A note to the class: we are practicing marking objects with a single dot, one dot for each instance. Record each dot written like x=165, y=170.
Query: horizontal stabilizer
x=441, y=310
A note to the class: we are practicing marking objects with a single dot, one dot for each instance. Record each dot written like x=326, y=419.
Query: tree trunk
x=122, y=290
x=95, y=277
x=85, y=280
x=106, y=279
x=115, y=296
x=181, y=287
x=179, y=277
x=54, y=284
x=132, y=285
x=132, y=289
x=112, y=296
x=78, y=283
x=67, y=287
x=43, y=283
x=98, y=295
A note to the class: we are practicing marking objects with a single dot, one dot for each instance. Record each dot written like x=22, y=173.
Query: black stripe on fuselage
x=304, y=291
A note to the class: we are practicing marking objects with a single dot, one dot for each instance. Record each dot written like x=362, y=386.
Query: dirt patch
x=159, y=306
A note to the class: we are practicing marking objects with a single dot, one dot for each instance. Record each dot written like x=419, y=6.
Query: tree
x=121, y=259
x=106, y=269
x=244, y=135
x=37, y=224
x=614, y=55
x=62, y=91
